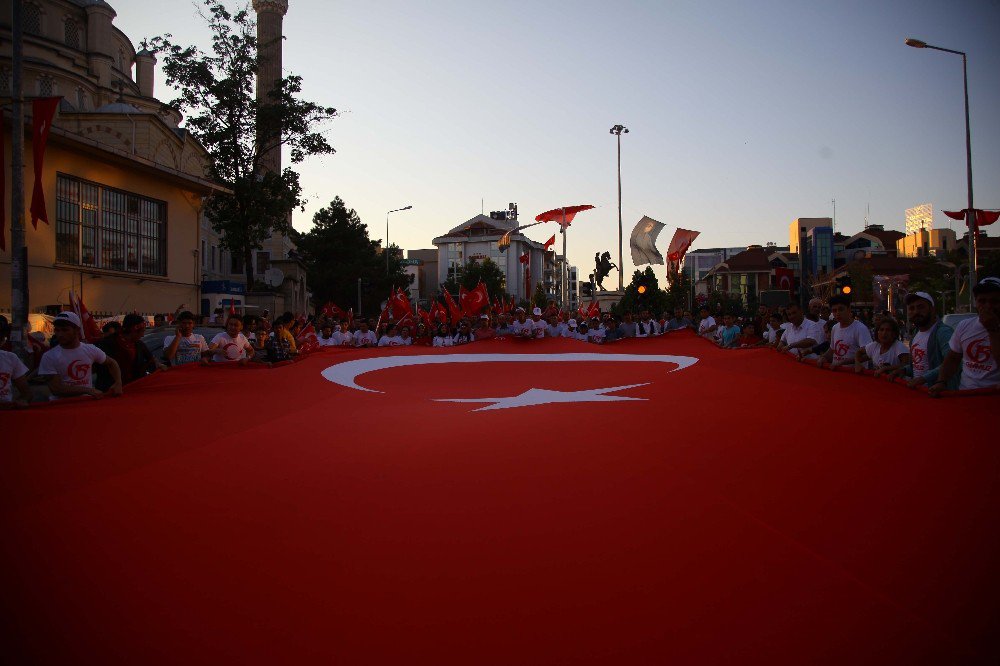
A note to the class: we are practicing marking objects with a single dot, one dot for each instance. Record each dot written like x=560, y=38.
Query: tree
x=240, y=131
x=337, y=253
x=539, y=299
x=472, y=273
x=652, y=297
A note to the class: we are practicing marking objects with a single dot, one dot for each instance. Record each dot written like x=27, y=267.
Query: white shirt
x=918, y=352
x=555, y=330
x=189, y=349
x=888, y=357
x=366, y=339
x=230, y=348
x=440, y=341
x=808, y=329
x=979, y=362
x=331, y=341
x=845, y=341
x=821, y=327
x=391, y=341
x=705, y=324
x=11, y=368
x=651, y=327
x=595, y=335
x=74, y=366
x=570, y=333
x=344, y=338
x=538, y=328
x=771, y=334
x=522, y=328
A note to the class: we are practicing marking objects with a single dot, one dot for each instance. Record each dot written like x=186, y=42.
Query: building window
x=204, y=256
x=71, y=33
x=235, y=264
x=263, y=261
x=102, y=227
x=213, y=258
x=45, y=86
x=32, y=19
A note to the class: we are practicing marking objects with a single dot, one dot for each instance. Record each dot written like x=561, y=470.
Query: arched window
x=32, y=19
x=45, y=86
x=71, y=33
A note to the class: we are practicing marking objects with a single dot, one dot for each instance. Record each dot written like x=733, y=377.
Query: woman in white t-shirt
x=886, y=353
x=442, y=338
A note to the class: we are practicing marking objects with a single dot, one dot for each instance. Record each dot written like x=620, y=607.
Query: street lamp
x=387, y=235
x=970, y=215
x=618, y=130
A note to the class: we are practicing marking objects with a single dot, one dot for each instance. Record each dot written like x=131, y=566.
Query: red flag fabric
x=784, y=278
x=307, y=339
x=562, y=215
x=400, y=304
x=350, y=316
x=43, y=110
x=454, y=312
x=984, y=218
x=425, y=317
x=524, y=258
x=232, y=306
x=770, y=550
x=679, y=245
x=475, y=301
x=438, y=313
x=550, y=242
x=91, y=331
x=331, y=310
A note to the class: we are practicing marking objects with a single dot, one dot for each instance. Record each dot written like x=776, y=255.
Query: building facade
x=123, y=184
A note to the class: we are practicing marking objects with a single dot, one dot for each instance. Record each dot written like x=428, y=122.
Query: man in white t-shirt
x=364, y=337
x=801, y=334
x=521, y=325
x=13, y=374
x=555, y=328
x=847, y=337
x=184, y=346
x=69, y=365
x=929, y=345
x=327, y=338
x=537, y=324
x=391, y=339
x=231, y=346
x=975, y=345
x=706, y=325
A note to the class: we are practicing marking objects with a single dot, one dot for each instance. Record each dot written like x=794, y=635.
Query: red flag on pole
x=561, y=215
x=400, y=304
x=550, y=242
x=42, y=112
x=984, y=218
x=679, y=245
x=438, y=313
x=3, y=197
x=784, y=278
x=307, y=339
x=454, y=312
x=91, y=331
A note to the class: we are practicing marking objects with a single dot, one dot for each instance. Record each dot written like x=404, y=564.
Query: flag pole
x=564, y=271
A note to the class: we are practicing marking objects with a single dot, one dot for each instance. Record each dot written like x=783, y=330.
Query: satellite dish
x=273, y=277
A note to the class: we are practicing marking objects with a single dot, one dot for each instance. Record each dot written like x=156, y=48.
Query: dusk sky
x=742, y=115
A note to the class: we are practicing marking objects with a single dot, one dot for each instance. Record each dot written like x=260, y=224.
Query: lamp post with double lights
x=970, y=214
x=387, y=235
x=618, y=130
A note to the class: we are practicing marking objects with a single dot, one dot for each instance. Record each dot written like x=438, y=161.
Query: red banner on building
x=43, y=110
x=784, y=278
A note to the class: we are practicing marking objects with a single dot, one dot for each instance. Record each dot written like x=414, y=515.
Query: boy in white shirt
x=231, y=346
x=13, y=374
x=364, y=337
x=69, y=365
x=184, y=346
x=974, y=348
x=327, y=338
x=707, y=325
x=886, y=354
x=390, y=339
x=847, y=336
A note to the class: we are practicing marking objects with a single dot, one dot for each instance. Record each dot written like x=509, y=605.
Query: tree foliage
x=472, y=273
x=217, y=95
x=337, y=253
x=654, y=299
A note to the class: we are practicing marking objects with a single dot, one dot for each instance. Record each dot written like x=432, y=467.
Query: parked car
x=955, y=317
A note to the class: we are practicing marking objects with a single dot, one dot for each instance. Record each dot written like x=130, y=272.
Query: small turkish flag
x=550, y=242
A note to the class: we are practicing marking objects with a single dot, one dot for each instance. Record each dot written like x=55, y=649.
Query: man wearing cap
x=484, y=331
x=929, y=345
x=570, y=331
x=974, y=347
x=537, y=324
x=69, y=364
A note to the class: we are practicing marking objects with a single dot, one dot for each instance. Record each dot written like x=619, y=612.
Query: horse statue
x=603, y=266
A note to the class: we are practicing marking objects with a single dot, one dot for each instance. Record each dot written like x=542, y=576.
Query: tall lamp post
x=387, y=235
x=618, y=130
x=970, y=215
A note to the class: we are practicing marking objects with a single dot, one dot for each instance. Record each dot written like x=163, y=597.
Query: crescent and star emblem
x=346, y=374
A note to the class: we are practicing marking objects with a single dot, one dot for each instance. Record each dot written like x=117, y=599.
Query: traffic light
x=642, y=289
x=843, y=286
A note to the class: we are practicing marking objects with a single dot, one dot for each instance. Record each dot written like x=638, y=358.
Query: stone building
x=123, y=184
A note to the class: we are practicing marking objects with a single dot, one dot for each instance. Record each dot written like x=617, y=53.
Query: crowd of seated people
x=827, y=334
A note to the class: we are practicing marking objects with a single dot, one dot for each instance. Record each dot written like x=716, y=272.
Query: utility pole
x=18, y=249
x=618, y=130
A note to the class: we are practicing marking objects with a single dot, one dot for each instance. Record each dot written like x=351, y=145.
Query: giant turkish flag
x=429, y=505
